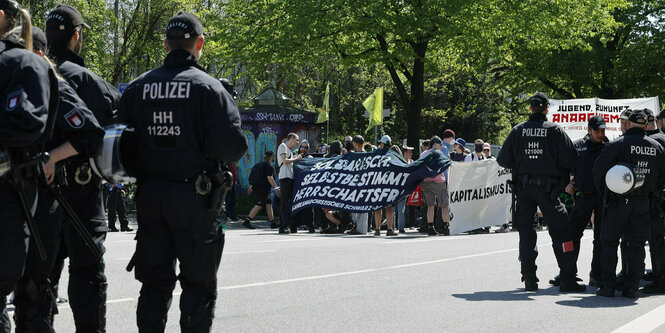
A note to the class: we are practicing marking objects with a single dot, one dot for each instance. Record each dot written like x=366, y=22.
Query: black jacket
x=101, y=97
x=75, y=123
x=538, y=147
x=638, y=150
x=588, y=151
x=28, y=91
x=185, y=121
x=658, y=136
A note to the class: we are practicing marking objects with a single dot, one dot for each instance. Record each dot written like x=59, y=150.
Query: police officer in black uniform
x=185, y=124
x=28, y=91
x=76, y=132
x=541, y=157
x=628, y=212
x=87, y=281
x=657, y=239
x=587, y=199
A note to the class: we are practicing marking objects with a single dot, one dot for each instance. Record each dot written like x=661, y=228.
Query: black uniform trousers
x=629, y=215
x=174, y=223
x=117, y=209
x=585, y=206
x=286, y=189
x=87, y=282
x=657, y=245
x=558, y=225
x=33, y=297
x=13, y=242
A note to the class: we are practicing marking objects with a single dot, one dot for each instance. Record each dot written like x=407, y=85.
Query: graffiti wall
x=265, y=131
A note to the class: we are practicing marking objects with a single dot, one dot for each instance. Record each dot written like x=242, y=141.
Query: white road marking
x=645, y=323
x=120, y=300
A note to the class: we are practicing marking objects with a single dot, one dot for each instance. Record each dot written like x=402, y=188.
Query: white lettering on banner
x=376, y=161
x=479, y=195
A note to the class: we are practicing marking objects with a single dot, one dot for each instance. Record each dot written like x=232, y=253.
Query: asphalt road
x=331, y=283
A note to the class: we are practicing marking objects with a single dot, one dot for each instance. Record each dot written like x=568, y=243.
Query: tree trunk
x=417, y=95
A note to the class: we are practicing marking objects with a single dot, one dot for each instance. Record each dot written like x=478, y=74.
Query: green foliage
x=465, y=65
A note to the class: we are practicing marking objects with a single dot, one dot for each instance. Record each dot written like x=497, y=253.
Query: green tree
x=407, y=37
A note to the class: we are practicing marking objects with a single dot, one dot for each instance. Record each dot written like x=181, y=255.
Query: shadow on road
x=586, y=300
x=508, y=295
x=594, y=301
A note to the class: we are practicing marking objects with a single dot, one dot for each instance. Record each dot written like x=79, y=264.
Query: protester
x=487, y=150
x=261, y=191
x=402, y=210
x=360, y=219
x=435, y=192
x=306, y=216
x=448, y=140
x=385, y=143
x=285, y=162
x=348, y=144
x=478, y=154
x=335, y=149
x=424, y=146
x=458, y=155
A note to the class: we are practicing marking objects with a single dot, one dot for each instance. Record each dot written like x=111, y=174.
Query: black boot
x=431, y=231
x=605, y=292
x=556, y=281
x=570, y=285
x=530, y=283
x=655, y=287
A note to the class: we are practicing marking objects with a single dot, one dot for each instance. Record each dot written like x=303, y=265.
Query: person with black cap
x=623, y=120
x=541, y=155
x=178, y=110
x=587, y=200
x=75, y=132
x=28, y=96
x=87, y=287
x=657, y=236
x=628, y=212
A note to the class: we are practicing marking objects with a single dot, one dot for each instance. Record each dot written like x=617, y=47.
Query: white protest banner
x=479, y=195
x=573, y=114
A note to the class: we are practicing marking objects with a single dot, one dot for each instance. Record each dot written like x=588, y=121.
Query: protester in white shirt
x=285, y=162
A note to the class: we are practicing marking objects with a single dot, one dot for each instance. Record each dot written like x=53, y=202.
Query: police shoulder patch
x=14, y=99
x=75, y=118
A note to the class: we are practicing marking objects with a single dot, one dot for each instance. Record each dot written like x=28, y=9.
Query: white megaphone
x=622, y=179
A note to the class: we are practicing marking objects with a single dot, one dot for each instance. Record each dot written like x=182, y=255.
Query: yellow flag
x=323, y=114
x=374, y=106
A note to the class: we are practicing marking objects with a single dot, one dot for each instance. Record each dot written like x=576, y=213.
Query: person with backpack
x=260, y=180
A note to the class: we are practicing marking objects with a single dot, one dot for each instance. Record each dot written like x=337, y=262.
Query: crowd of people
x=431, y=215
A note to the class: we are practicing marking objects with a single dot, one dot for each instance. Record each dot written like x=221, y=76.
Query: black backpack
x=256, y=174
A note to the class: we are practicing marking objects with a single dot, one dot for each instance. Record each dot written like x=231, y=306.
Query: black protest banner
x=361, y=182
